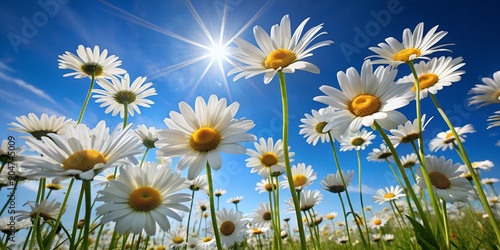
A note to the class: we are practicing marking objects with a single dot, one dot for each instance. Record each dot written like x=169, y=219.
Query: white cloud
x=366, y=189
x=21, y=83
x=21, y=103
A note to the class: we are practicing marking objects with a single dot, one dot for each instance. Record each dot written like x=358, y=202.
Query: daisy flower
x=219, y=192
x=39, y=127
x=118, y=92
x=302, y=176
x=147, y=135
x=312, y=127
x=436, y=74
x=414, y=46
x=357, y=140
x=494, y=120
x=200, y=135
x=487, y=93
x=231, y=226
x=334, y=184
x=409, y=160
x=393, y=193
x=90, y=63
x=47, y=210
x=365, y=99
x=7, y=227
x=103, y=178
x=308, y=199
x=265, y=186
x=331, y=216
x=489, y=181
x=257, y=230
x=483, y=165
x=342, y=240
x=235, y=200
x=261, y=216
x=176, y=238
x=388, y=237
x=377, y=222
x=445, y=140
x=445, y=179
x=203, y=205
x=53, y=186
x=11, y=156
x=407, y=132
x=81, y=152
x=198, y=183
x=379, y=154
x=207, y=242
x=268, y=158
x=279, y=51
x=141, y=198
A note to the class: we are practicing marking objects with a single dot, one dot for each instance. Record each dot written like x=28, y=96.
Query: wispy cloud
x=24, y=103
x=23, y=84
x=366, y=189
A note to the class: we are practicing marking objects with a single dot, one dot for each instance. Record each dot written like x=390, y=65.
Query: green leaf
x=425, y=238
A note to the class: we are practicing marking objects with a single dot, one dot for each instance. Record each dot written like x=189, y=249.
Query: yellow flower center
x=269, y=187
x=358, y=141
x=269, y=159
x=227, y=228
x=110, y=177
x=439, y=180
x=207, y=239
x=53, y=186
x=144, y=199
x=377, y=222
x=389, y=195
x=426, y=81
x=410, y=137
x=83, y=160
x=90, y=68
x=299, y=180
x=364, y=104
x=330, y=216
x=279, y=58
x=404, y=55
x=178, y=240
x=266, y=216
x=449, y=138
x=256, y=231
x=205, y=139
x=320, y=126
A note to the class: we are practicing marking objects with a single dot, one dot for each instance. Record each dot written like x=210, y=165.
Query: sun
x=215, y=50
x=218, y=52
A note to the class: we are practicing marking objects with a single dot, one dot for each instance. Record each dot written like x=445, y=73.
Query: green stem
x=212, y=207
x=361, y=197
x=475, y=178
x=73, y=239
x=144, y=157
x=403, y=174
x=98, y=237
x=189, y=216
x=335, y=156
x=88, y=213
x=345, y=219
x=125, y=115
x=10, y=197
x=276, y=212
x=421, y=153
x=63, y=208
x=446, y=225
x=84, y=106
x=295, y=198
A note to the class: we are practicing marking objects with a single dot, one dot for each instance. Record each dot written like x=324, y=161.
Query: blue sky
x=155, y=38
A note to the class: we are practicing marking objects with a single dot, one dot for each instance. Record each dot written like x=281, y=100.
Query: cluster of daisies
x=137, y=197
